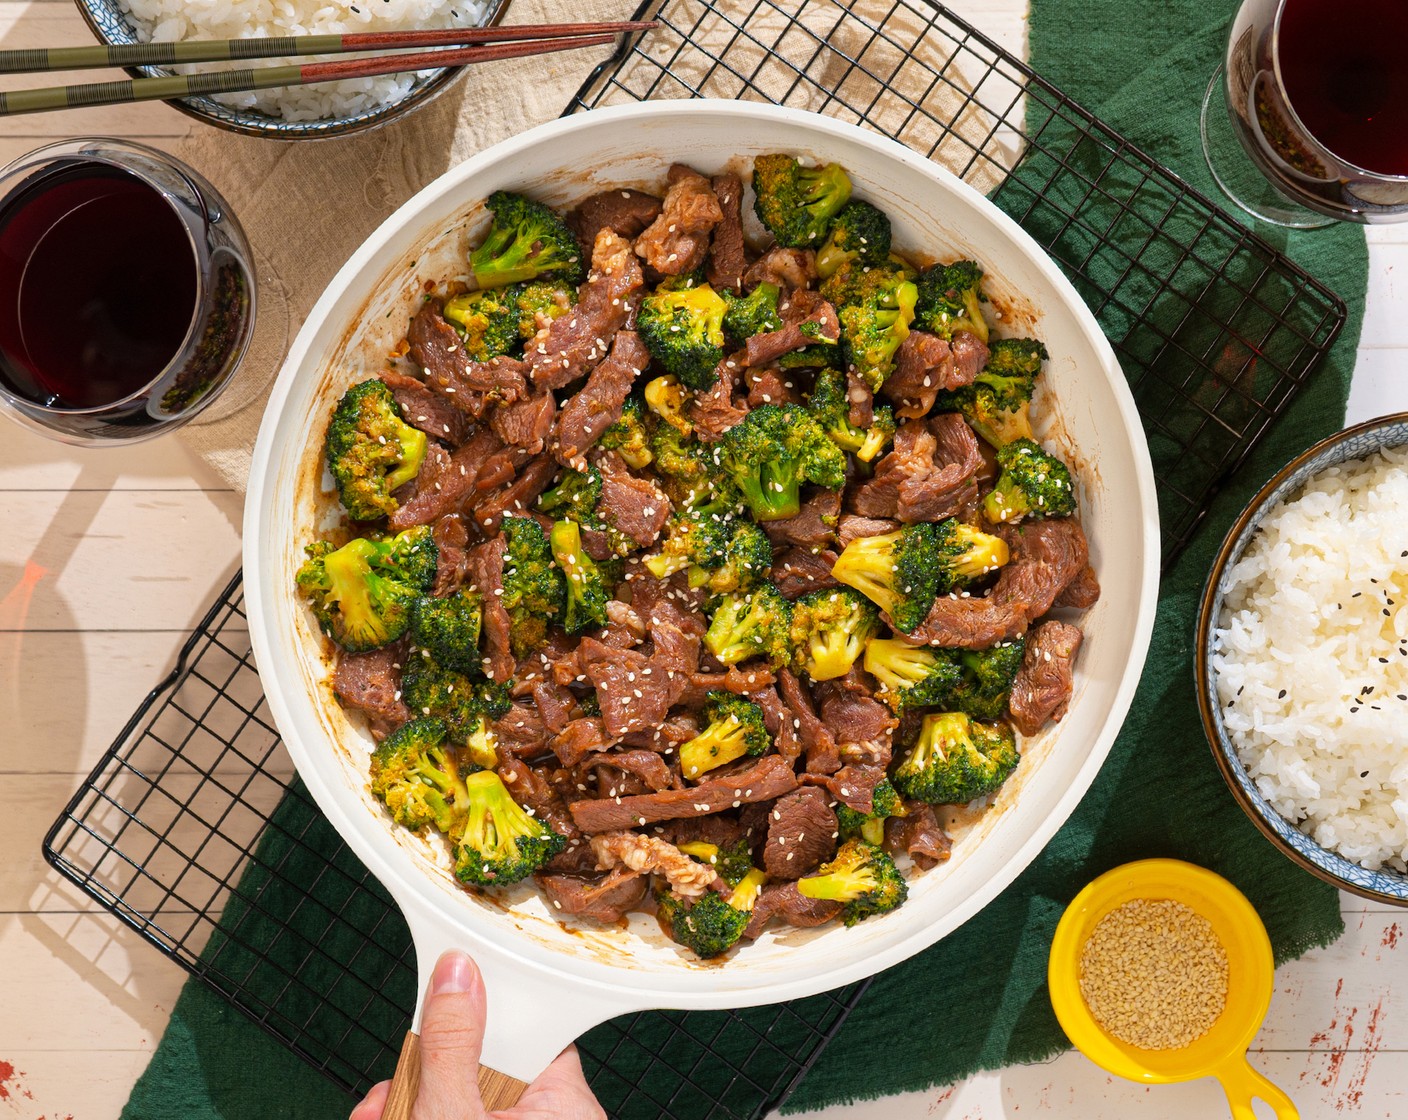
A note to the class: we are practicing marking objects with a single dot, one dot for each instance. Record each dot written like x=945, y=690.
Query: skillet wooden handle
x=498, y=1090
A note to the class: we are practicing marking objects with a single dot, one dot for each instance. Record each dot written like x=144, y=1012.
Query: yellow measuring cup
x=1222, y=1051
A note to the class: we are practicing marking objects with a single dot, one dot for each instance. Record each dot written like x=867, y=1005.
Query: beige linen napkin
x=306, y=206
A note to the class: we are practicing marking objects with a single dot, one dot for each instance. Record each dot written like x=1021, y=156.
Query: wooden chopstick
x=292, y=46
x=271, y=77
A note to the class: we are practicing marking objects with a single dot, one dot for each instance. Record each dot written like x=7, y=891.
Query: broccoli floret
x=756, y=624
x=686, y=466
x=956, y=759
x=628, y=436
x=861, y=232
x=1033, y=483
x=732, y=863
x=371, y=452
x=772, y=452
x=746, y=562
x=364, y=593
x=496, y=842
x=744, y=895
x=585, y=605
x=526, y=241
x=576, y=496
x=415, y=773
x=987, y=680
x=534, y=589
x=683, y=330
x=830, y=407
x=862, y=877
x=487, y=321
x=540, y=300
x=829, y=630
x=463, y=703
x=666, y=397
x=449, y=629
x=691, y=538
x=870, y=827
x=755, y=313
x=735, y=729
x=899, y=572
x=708, y=928
x=998, y=403
x=904, y=571
x=875, y=305
x=912, y=677
x=797, y=204
x=412, y=555
x=950, y=299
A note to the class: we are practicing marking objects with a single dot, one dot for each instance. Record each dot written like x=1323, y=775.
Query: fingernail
x=454, y=973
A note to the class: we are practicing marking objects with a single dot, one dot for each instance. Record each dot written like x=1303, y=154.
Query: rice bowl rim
x=111, y=26
x=1357, y=442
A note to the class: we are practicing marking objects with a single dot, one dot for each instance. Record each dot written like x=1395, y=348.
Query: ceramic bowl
x=588, y=973
x=1352, y=443
x=113, y=26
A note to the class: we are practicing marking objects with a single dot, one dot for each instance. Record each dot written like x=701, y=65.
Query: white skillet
x=549, y=982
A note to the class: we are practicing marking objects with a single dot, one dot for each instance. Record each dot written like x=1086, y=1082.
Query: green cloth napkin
x=1159, y=794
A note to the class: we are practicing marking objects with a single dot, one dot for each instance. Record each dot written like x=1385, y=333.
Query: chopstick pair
x=458, y=47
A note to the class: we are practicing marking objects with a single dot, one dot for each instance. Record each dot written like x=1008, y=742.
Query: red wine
x=97, y=286
x=1345, y=70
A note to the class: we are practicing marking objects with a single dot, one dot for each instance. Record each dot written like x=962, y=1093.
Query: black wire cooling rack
x=194, y=829
x=1215, y=329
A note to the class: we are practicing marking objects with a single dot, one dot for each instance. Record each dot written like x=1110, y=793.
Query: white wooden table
x=108, y=558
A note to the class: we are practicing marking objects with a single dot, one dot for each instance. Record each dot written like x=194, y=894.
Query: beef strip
x=727, y=259
x=617, y=675
x=769, y=386
x=555, y=704
x=1047, y=555
x=928, y=475
x=647, y=591
x=801, y=834
x=819, y=323
x=852, y=526
x=579, y=738
x=787, y=268
x=814, y=526
x=470, y=386
x=572, y=344
x=521, y=731
x=451, y=538
x=741, y=680
x=679, y=728
x=1082, y=592
x=634, y=507
x=970, y=355
x=598, y=405
x=785, y=901
x=625, y=212
x=652, y=770
x=1041, y=690
x=605, y=899
x=450, y=486
x=797, y=571
x=723, y=830
x=823, y=755
x=780, y=722
x=676, y=242
x=531, y=789
x=371, y=682
x=517, y=497
x=427, y=410
x=768, y=777
x=713, y=412
x=919, y=835
x=526, y=423
x=486, y=570
x=861, y=726
x=852, y=785
x=860, y=401
x=924, y=367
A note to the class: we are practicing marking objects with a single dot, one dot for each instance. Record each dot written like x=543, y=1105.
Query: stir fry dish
x=696, y=577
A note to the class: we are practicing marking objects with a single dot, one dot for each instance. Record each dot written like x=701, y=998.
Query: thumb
x=451, y=1038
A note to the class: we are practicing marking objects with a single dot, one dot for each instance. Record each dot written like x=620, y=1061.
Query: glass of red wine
x=1307, y=120
x=126, y=292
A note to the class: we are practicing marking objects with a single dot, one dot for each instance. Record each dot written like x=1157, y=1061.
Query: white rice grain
x=1311, y=659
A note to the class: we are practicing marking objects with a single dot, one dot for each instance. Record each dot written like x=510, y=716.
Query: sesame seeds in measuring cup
x=1154, y=974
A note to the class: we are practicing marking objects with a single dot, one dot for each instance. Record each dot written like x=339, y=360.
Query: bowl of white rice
x=1302, y=658
x=297, y=112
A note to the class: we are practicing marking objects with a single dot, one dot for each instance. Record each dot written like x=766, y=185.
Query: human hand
x=451, y=1038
